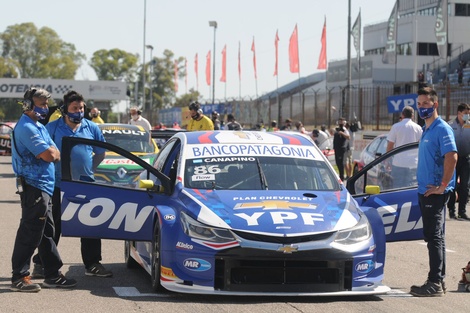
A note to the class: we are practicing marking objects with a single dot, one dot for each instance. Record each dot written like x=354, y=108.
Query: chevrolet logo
x=275, y=205
x=288, y=249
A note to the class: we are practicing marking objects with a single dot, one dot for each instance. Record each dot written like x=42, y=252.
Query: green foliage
x=114, y=64
x=40, y=53
x=187, y=98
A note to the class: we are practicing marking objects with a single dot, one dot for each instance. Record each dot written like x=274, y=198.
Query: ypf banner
x=396, y=104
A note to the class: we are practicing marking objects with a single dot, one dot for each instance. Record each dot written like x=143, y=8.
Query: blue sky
x=183, y=27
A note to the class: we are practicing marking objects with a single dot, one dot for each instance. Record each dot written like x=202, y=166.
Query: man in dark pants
x=461, y=127
x=84, y=160
x=437, y=156
x=33, y=157
x=340, y=141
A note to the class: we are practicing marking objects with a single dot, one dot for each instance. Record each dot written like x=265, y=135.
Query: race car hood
x=277, y=213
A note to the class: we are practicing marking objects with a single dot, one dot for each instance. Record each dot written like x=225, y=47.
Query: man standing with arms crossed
x=437, y=156
x=33, y=158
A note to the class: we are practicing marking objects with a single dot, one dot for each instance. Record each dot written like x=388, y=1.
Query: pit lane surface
x=129, y=290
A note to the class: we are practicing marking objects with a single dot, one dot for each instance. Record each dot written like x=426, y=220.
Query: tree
x=8, y=68
x=160, y=77
x=40, y=53
x=187, y=98
x=114, y=64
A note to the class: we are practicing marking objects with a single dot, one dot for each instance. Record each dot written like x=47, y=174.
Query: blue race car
x=235, y=213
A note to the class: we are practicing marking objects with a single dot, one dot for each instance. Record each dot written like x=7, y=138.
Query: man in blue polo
x=437, y=157
x=33, y=157
x=85, y=159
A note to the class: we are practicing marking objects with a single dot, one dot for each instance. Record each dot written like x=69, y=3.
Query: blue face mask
x=76, y=117
x=426, y=113
x=41, y=113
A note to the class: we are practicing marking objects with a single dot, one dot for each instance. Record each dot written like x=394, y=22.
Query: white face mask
x=135, y=117
x=466, y=117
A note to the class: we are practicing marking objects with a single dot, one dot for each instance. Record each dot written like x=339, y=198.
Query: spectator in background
x=95, y=116
x=299, y=126
x=138, y=119
x=273, y=127
x=461, y=128
x=287, y=124
x=347, y=160
x=340, y=138
x=232, y=124
x=404, y=132
x=198, y=120
x=319, y=137
x=215, y=120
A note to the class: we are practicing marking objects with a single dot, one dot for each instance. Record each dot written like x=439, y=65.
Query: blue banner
x=396, y=104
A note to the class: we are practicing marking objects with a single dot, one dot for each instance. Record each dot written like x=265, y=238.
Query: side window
x=395, y=172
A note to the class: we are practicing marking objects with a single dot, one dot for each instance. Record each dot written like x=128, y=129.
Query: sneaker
x=97, y=269
x=452, y=216
x=464, y=216
x=24, y=284
x=444, y=288
x=38, y=272
x=59, y=282
x=429, y=289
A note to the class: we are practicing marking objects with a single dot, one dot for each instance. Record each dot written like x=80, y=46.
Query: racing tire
x=128, y=259
x=155, y=258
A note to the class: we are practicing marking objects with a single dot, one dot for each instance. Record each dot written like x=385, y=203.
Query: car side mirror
x=372, y=189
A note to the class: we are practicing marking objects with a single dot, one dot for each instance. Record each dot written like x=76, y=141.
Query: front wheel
x=155, y=257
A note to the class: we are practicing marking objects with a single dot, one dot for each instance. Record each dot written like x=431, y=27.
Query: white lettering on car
x=104, y=210
x=280, y=217
x=389, y=216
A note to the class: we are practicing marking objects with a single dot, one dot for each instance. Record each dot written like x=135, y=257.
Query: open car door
x=389, y=185
x=105, y=210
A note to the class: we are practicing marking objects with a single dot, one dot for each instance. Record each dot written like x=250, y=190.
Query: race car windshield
x=134, y=143
x=259, y=173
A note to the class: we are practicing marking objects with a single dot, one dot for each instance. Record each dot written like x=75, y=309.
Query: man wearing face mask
x=437, y=156
x=33, y=157
x=461, y=127
x=198, y=120
x=85, y=159
x=138, y=119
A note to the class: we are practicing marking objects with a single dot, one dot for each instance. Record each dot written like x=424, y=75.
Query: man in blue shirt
x=85, y=159
x=437, y=157
x=33, y=157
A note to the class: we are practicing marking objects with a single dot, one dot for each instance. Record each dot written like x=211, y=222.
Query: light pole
x=213, y=24
x=150, y=77
x=143, y=58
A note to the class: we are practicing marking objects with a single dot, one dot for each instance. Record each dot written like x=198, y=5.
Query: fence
x=315, y=107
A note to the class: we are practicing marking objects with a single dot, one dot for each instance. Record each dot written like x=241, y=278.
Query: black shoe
x=59, y=282
x=463, y=216
x=429, y=289
x=38, y=272
x=452, y=216
x=25, y=285
x=97, y=269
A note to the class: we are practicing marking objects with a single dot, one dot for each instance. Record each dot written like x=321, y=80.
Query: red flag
x=322, y=58
x=223, y=78
x=294, y=52
x=176, y=76
x=208, y=68
x=196, y=70
x=254, y=57
x=276, y=45
x=239, y=64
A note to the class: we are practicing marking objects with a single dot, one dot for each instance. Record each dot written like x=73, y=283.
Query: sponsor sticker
x=197, y=265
